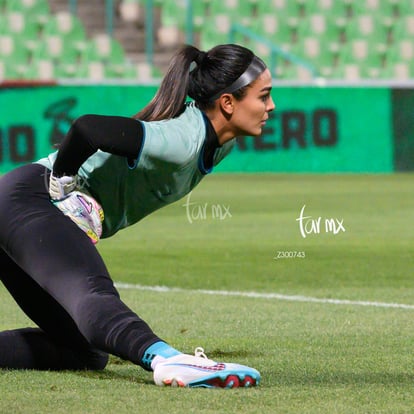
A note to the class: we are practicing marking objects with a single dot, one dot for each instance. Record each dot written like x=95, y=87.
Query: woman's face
x=251, y=113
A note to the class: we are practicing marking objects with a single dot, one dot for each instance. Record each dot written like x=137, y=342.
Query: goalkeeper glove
x=85, y=212
x=60, y=187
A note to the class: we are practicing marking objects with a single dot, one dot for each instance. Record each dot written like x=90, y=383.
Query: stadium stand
x=348, y=39
x=38, y=44
x=340, y=39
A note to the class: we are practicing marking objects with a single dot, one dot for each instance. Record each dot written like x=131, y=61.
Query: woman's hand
x=60, y=187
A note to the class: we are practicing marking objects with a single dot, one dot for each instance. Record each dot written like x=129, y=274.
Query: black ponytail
x=170, y=97
x=211, y=74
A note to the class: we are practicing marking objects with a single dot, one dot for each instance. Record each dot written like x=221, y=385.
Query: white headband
x=256, y=68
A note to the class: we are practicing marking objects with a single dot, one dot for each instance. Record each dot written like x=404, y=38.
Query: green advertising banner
x=403, y=120
x=313, y=129
x=321, y=130
x=34, y=119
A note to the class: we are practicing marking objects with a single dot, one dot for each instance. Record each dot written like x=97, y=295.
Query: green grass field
x=337, y=339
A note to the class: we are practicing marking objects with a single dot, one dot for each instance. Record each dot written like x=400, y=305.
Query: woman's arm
x=114, y=134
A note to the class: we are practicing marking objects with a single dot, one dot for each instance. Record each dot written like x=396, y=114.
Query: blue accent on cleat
x=158, y=349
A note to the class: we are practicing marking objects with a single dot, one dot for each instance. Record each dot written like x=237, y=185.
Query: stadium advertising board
x=403, y=127
x=313, y=129
x=321, y=130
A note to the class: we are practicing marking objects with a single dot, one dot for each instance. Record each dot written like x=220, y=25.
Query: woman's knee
x=96, y=361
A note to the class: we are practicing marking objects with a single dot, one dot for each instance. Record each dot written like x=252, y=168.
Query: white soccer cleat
x=198, y=371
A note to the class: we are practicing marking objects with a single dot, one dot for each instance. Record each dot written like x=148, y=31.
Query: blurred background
x=343, y=72
x=301, y=40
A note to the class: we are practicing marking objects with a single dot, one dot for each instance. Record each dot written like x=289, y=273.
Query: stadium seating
x=343, y=39
x=38, y=45
x=351, y=39
x=171, y=31
x=130, y=10
x=39, y=10
x=239, y=10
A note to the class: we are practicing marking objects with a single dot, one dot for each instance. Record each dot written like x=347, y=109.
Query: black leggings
x=60, y=281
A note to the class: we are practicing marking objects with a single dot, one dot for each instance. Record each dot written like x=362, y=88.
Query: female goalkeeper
x=131, y=167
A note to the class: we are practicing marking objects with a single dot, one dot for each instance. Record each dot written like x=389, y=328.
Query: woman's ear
x=226, y=103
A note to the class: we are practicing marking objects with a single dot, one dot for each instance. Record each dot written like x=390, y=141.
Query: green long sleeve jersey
x=170, y=164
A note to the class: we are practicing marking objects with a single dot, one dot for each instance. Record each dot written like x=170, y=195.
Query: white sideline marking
x=277, y=296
